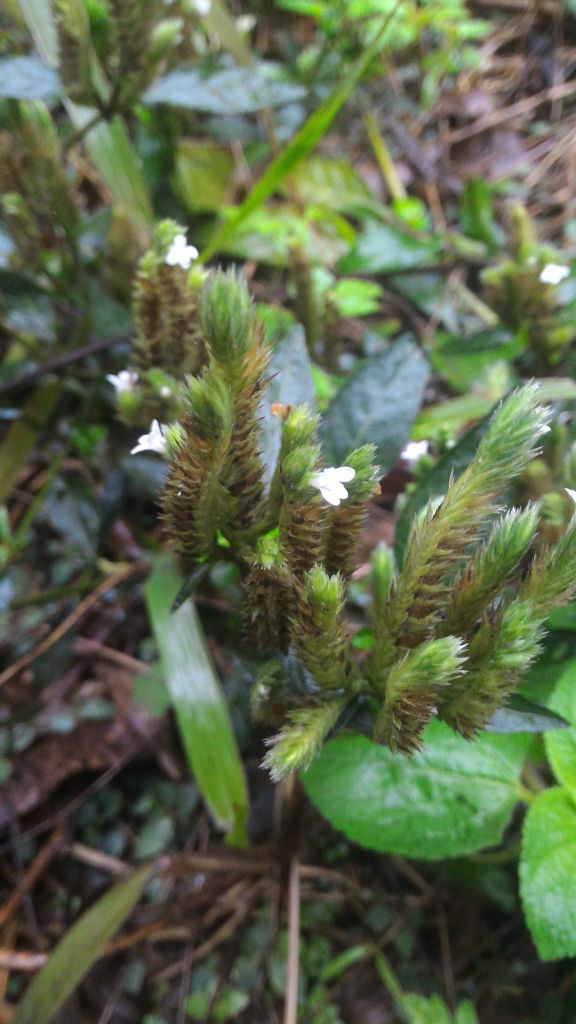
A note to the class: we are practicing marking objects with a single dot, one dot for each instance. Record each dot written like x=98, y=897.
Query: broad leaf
x=290, y=383
x=232, y=91
x=561, y=748
x=548, y=873
x=28, y=78
x=383, y=249
x=378, y=404
x=198, y=701
x=452, y=798
x=203, y=173
x=78, y=950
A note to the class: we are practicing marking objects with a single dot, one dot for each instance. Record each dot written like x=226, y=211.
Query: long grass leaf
x=78, y=950
x=305, y=140
x=198, y=702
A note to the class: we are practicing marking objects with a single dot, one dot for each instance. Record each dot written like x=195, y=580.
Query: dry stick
x=291, y=1001
x=71, y=620
x=556, y=92
x=36, y=869
x=31, y=377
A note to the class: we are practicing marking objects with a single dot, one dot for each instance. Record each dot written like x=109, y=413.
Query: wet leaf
x=290, y=383
x=548, y=873
x=377, y=404
x=451, y=798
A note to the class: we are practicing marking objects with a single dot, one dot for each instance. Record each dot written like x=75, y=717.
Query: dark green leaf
x=78, y=950
x=232, y=91
x=454, y=797
x=28, y=78
x=383, y=249
x=290, y=384
x=521, y=715
x=378, y=404
x=548, y=873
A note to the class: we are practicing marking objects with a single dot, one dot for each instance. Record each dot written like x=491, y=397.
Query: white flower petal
x=155, y=441
x=330, y=483
x=180, y=254
x=571, y=493
x=554, y=273
x=414, y=451
x=123, y=381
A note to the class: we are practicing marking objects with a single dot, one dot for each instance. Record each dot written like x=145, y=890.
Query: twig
x=291, y=1000
x=31, y=377
x=71, y=620
x=36, y=869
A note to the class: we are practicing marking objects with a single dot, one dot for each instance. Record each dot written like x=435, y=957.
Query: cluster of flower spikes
x=453, y=630
x=522, y=291
x=457, y=626
x=168, y=343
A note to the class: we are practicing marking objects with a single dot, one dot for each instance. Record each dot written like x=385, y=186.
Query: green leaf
x=452, y=798
x=383, y=249
x=198, y=701
x=40, y=20
x=548, y=873
x=462, y=361
x=303, y=142
x=28, y=78
x=290, y=383
x=377, y=404
x=203, y=173
x=521, y=715
x=232, y=91
x=320, y=181
x=561, y=748
x=435, y=483
x=20, y=439
x=78, y=950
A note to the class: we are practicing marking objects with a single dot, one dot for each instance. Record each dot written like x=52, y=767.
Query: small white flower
x=155, y=441
x=165, y=391
x=571, y=493
x=414, y=451
x=180, y=254
x=124, y=381
x=330, y=483
x=554, y=273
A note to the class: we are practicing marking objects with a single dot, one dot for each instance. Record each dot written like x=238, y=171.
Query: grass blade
x=305, y=140
x=198, y=702
x=78, y=950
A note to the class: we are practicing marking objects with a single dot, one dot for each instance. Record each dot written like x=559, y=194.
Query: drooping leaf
x=452, y=798
x=19, y=442
x=28, y=78
x=78, y=950
x=290, y=383
x=231, y=91
x=548, y=873
x=377, y=404
x=198, y=701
